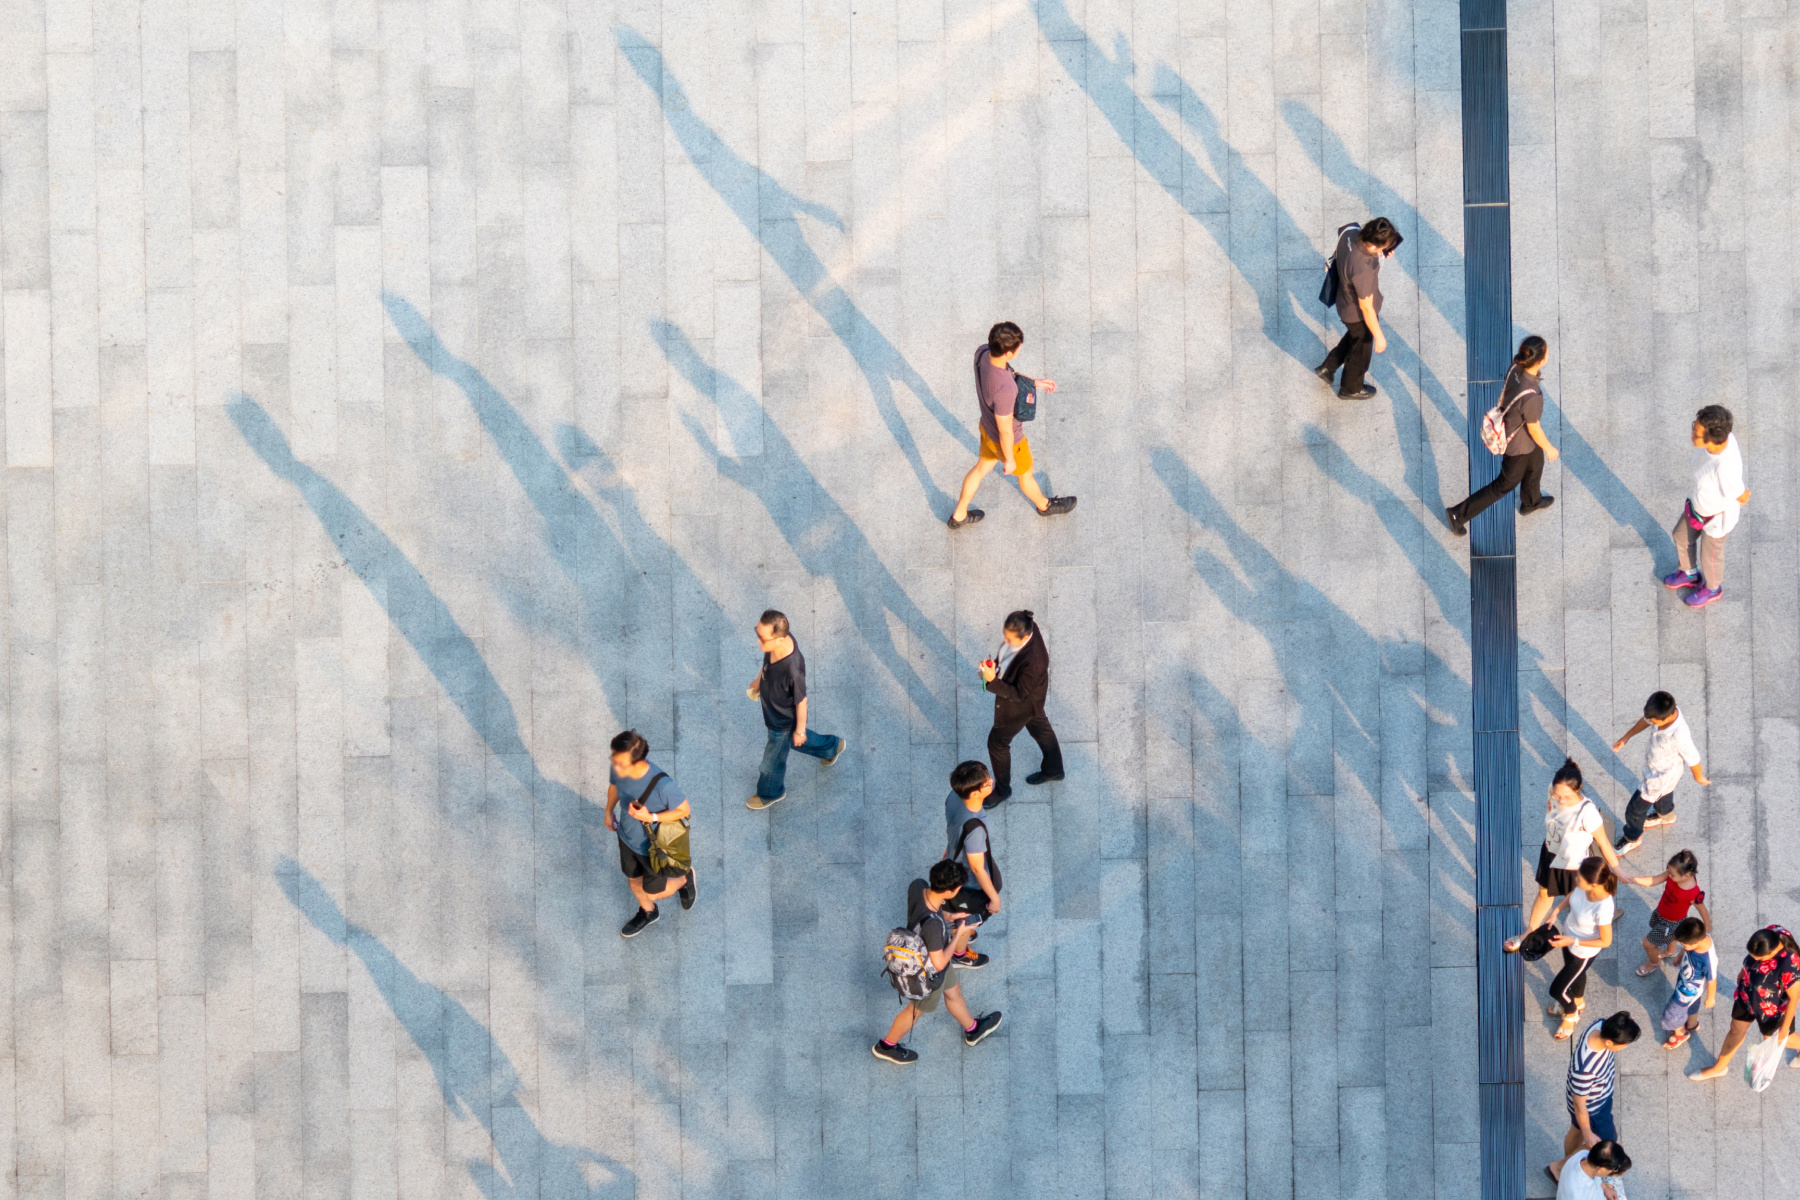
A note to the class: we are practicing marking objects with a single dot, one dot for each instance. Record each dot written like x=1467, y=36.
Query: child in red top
x=1681, y=891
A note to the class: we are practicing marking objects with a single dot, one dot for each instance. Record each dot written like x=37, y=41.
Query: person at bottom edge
x=781, y=687
x=640, y=795
x=944, y=935
x=1019, y=678
x=1588, y=1174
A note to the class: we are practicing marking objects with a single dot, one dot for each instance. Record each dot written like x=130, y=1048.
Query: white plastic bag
x=1762, y=1062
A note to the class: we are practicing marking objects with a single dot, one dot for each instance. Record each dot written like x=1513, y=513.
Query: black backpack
x=992, y=863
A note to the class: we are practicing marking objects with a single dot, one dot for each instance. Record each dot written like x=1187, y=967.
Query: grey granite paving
x=402, y=396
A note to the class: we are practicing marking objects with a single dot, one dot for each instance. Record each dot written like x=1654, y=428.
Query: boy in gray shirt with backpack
x=918, y=963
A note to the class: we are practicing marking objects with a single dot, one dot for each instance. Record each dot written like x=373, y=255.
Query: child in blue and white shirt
x=1696, y=983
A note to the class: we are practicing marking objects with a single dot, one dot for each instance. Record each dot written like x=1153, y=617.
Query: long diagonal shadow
x=1578, y=455
x=475, y=1076
x=770, y=213
x=573, y=528
x=422, y=618
x=821, y=534
x=1444, y=575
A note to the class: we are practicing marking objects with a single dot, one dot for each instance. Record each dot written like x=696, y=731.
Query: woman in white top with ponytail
x=1573, y=830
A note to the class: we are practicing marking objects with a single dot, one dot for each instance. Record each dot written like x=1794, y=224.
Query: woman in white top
x=1571, y=825
x=1588, y=1174
x=1587, y=932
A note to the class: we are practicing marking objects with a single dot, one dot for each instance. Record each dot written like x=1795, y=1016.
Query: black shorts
x=1768, y=1025
x=970, y=900
x=637, y=866
x=1551, y=879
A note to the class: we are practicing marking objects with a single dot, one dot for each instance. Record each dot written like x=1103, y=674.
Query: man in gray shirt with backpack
x=918, y=963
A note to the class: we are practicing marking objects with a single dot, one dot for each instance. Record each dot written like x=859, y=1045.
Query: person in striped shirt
x=1589, y=1092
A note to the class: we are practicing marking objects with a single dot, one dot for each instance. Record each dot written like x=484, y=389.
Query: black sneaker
x=975, y=514
x=1367, y=392
x=969, y=962
x=1543, y=503
x=997, y=796
x=1037, y=777
x=983, y=1027
x=640, y=921
x=1058, y=505
x=1325, y=371
x=835, y=753
x=1458, y=526
x=689, y=891
x=897, y=1054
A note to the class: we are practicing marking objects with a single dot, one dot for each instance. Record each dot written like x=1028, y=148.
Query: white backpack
x=1493, y=425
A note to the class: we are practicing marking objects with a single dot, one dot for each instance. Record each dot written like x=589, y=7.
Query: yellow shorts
x=1021, y=453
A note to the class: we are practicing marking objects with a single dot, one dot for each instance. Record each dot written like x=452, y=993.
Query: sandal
x=1647, y=970
x=1677, y=1038
x=1511, y=945
x=1566, y=1030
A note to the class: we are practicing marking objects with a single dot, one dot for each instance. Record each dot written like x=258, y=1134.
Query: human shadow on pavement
x=1327, y=661
x=1578, y=456
x=821, y=534
x=476, y=1078
x=771, y=215
x=422, y=618
x=1440, y=570
x=578, y=536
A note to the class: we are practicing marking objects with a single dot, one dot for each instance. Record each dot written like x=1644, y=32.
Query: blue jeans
x=772, y=781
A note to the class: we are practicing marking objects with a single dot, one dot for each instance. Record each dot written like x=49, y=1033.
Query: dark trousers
x=1000, y=745
x=1522, y=471
x=1639, y=808
x=1352, y=353
x=1570, y=983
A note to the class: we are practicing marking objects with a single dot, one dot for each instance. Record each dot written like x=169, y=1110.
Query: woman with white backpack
x=1513, y=428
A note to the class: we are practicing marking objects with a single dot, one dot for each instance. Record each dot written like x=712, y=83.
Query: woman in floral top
x=1768, y=993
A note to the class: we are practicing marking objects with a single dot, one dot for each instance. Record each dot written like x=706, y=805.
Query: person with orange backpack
x=1526, y=448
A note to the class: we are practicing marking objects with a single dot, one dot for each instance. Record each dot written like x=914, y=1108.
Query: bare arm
x=800, y=723
x=1005, y=425
x=978, y=868
x=612, y=802
x=1551, y=454
x=1367, y=308
x=1705, y=917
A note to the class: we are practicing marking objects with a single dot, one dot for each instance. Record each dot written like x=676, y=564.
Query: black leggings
x=1570, y=983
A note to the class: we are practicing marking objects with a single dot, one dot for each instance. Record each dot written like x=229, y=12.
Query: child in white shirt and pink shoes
x=1711, y=512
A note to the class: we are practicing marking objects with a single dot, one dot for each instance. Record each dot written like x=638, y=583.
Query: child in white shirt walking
x=1671, y=746
x=1712, y=511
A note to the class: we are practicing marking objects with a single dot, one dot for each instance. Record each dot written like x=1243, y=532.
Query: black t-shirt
x=931, y=927
x=1523, y=399
x=783, y=688
x=1359, y=275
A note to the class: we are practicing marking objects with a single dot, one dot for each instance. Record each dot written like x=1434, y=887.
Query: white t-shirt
x=1586, y=917
x=1670, y=749
x=1576, y=1184
x=1718, y=482
x=1569, y=832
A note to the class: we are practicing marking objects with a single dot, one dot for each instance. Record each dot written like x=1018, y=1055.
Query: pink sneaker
x=1681, y=579
x=1700, y=597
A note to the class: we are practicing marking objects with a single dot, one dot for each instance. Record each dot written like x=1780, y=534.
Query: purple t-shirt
x=998, y=391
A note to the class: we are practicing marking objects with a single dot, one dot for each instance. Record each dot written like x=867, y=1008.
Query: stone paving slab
x=401, y=397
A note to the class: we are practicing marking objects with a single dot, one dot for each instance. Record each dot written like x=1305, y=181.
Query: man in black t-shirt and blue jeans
x=781, y=686
x=945, y=935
